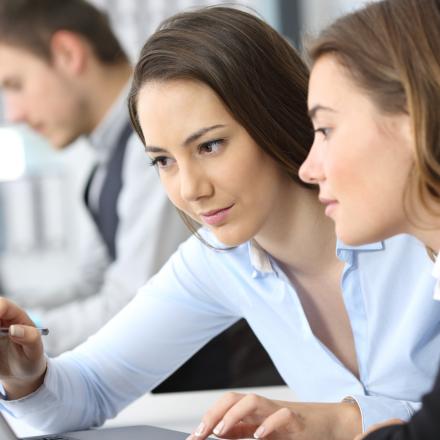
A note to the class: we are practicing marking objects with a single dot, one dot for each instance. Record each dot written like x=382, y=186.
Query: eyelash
x=208, y=144
x=156, y=162
x=324, y=130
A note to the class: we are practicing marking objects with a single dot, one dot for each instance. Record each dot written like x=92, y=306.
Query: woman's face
x=211, y=168
x=360, y=158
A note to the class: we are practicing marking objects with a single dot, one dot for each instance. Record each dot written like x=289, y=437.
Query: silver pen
x=43, y=331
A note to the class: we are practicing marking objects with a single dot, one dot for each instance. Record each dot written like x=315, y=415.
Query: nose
x=312, y=170
x=194, y=183
x=14, y=110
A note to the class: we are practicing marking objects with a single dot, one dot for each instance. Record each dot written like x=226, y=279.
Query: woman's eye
x=325, y=131
x=211, y=146
x=160, y=162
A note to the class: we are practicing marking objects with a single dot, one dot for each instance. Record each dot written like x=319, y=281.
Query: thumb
x=29, y=338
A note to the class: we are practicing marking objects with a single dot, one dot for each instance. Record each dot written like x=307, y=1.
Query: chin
x=231, y=238
x=64, y=140
x=359, y=237
x=57, y=143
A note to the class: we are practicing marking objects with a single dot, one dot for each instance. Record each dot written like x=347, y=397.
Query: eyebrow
x=190, y=139
x=312, y=112
x=7, y=82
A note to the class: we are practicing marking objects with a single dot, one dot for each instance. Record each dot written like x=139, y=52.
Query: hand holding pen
x=22, y=361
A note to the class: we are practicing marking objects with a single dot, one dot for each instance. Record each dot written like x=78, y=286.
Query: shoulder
x=196, y=270
x=403, y=261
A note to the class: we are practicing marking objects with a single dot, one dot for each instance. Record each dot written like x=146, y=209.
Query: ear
x=69, y=52
x=407, y=133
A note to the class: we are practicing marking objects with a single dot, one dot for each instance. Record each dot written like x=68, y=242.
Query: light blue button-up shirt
x=387, y=289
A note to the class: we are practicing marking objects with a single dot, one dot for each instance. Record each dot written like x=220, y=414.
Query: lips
x=216, y=216
x=326, y=201
x=330, y=205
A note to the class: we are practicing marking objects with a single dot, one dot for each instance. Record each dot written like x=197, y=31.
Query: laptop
x=125, y=433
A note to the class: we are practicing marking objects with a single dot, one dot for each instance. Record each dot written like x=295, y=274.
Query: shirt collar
x=347, y=253
x=436, y=274
x=260, y=259
x=377, y=246
x=103, y=138
x=436, y=268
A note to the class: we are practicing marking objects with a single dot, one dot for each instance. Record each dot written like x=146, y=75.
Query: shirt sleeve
x=425, y=424
x=172, y=317
x=149, y=231
x=376, y=409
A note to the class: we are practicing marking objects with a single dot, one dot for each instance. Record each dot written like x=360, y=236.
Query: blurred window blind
x=135, y=20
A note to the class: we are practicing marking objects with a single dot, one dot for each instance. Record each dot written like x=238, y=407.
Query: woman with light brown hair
x=385, y=61
x=374, y=100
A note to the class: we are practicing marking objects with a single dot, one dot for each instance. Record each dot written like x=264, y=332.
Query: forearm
x=348, y=421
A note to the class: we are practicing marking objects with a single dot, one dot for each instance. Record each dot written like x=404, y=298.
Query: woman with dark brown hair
x=219, y=100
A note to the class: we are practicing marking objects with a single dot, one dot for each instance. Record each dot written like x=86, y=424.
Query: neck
x=426, y=225
x=301, y=237
x=430, y=237
x=105, y=86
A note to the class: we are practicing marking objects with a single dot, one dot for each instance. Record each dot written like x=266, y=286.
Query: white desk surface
x=180, y=411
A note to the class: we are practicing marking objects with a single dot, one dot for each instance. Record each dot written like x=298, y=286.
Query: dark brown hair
x=30, y=24
x=391, y=49
x=257, y=74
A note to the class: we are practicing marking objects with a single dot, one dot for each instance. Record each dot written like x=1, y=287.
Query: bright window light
x=12, y=154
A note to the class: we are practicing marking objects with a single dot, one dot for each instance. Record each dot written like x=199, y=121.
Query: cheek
x=172, y=188
x=338, y=174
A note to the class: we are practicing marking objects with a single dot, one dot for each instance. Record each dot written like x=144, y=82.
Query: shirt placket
x=351, y=288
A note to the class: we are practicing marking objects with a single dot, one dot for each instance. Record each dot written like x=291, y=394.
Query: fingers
x=282, y=420
x=28, y=338
x=10, y=314
x=214, y=415
x=22, y=330
x=248, y=409
x=235, y=416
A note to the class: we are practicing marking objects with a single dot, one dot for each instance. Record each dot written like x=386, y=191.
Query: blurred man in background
x=64, y=73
